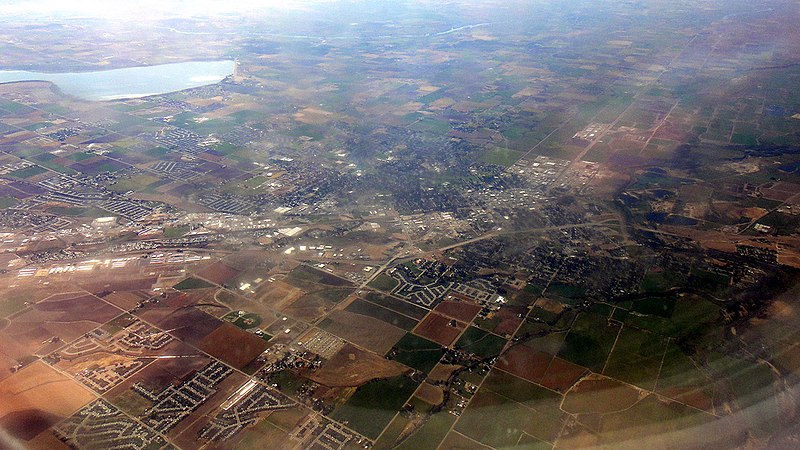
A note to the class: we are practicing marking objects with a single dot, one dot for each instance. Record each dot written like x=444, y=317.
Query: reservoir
x=130, y=82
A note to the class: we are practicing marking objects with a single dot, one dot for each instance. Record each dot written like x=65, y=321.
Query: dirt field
x=109, y=284
x=190, y=325
x=430, y=393
x=13, y=299
x=561, y=375
x=578, y=437
x=457, y=441
x=265, y=435
x=459, y=310
x=219, y=273
x=352, y=366
x=233, y=345
x=154, y=377
x=598, y=394
x=309, y=308
x=164, y=307
x=372, y=334
x=74, y=366
x=436, y=328
x=230, y=109
x=47, y=441
x=314, y=116
x=52, y=322
x=37, y=397
x=6, y=363
x=126, y=300
x=247, y=259
x=186, y=432
x=441, y=372
x=657, y=423
x=525, y=362
x=277, y=295
x=699, y=397
x=509, y=322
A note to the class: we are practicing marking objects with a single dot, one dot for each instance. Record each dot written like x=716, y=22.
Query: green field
x=383, y=283
x=135, y=183
x=401, y=306
x=370, y=309
x=70, y=171
x=374, y=405
x=657, y=419
x=14, y=107
x=481, y=343
x=173, y=232
x=566, y=290
x=487, y=323
x=494, y=420
x=244, y=321
x=69, y=211
x=28, y=172
x=522, y=391
x=589, y=341
x=752, y=384
x=391, y=433
x=655, y=306
x=302, y=275
x=255, y=182
x=527, y=296
x=690, y=314
x=661, y=281
x=636, y=358
x=500, y=156
x=334, y=295
x=543, y=314
x=711, y=282
x=287, y=382
x=7, y=202
x=430, y=434
x=192, y=283
x=157, y=152
x=545, y=418
x=80, y=156
x=263, y=435
x=418, y=353
x=678, y=370
x=12, y=304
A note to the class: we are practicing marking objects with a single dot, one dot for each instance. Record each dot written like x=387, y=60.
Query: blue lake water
x=130, y=82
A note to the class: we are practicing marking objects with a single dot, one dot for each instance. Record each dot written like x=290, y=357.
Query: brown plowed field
x=462, y=311
x=525, y=362
x=436, y=328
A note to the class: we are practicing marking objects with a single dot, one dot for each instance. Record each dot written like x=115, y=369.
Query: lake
x=130, y=82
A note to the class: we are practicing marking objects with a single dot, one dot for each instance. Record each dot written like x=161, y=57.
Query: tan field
x=352, y=366
x=37, y=397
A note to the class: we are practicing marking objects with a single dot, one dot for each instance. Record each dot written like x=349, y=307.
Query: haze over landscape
x=399, y=224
